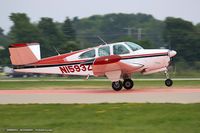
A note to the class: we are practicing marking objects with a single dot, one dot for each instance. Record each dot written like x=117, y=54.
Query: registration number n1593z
x=75, y=68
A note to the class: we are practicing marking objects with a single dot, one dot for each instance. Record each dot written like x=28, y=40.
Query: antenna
x=129, y=30
x=102, y=40
x=56, y=50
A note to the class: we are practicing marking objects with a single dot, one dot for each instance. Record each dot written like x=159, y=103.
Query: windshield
x=133, y=46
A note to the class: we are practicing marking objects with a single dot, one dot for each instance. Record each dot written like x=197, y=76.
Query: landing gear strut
x=117, y=85
x=168, y=81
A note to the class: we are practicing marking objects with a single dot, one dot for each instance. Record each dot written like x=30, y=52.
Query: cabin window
x=120, y=49
x=88, y=54
x=104, y=51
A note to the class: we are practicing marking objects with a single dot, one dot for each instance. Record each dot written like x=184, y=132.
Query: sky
x=60, y=9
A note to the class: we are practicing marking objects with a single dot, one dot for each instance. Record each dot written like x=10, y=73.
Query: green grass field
x=103, y=118
x=87, y=84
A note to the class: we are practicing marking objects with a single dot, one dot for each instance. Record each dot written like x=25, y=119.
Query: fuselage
x=81, y=62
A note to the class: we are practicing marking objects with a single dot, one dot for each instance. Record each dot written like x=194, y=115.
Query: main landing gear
x=127, y=84
x=117, y=85
x=168, y=81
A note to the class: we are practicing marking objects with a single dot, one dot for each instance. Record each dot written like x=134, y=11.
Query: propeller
x=172, y=67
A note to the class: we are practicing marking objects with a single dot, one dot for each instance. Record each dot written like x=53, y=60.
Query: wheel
x=117, y=86
x=168, y=82
x=128, y=84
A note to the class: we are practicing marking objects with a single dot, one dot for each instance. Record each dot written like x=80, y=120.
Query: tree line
x=73, y=34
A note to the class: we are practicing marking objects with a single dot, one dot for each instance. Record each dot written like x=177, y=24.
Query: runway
x=89, y=96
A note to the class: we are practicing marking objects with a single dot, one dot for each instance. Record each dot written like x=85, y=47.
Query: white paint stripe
x=36, y=50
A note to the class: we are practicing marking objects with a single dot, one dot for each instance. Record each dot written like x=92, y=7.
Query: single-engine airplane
x=115, y=61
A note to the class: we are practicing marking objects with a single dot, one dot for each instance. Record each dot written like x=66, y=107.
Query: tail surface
x=24, y=53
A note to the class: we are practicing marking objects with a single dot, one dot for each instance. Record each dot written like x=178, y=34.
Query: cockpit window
x=88, y=54
x=104, y=51
x=120, y=49
x=133, y=46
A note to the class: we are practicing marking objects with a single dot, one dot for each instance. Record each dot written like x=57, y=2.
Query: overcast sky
x=59, y=9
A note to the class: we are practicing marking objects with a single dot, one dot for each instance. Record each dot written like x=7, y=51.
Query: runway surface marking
x=89, y=96
x=98, y=91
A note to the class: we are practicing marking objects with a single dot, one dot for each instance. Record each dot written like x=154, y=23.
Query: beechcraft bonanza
x=115, y=61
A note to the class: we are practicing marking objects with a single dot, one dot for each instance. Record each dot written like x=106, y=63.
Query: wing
x=113, y=66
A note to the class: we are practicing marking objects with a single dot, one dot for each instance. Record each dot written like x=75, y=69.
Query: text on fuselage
x=75, y=68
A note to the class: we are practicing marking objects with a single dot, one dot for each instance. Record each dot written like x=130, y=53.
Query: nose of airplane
x=172, y=53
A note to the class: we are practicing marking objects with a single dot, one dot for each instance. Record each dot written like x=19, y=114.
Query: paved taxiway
x=175, y=95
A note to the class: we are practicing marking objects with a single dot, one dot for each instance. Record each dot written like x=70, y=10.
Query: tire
x=128, y=84
x=117, y=86
x=168, y=82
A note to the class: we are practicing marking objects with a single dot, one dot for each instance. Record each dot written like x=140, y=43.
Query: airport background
x=74, y=34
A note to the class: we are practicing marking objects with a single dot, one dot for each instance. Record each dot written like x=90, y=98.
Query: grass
x=89, y=84
x=103, y=118
x=45, y=84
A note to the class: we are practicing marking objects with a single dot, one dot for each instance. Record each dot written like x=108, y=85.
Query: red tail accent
x=24, y=53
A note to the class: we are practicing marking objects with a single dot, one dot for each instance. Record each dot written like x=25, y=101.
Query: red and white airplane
x=115, y=61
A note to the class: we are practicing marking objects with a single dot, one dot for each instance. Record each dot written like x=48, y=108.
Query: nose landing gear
x=168, y=81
